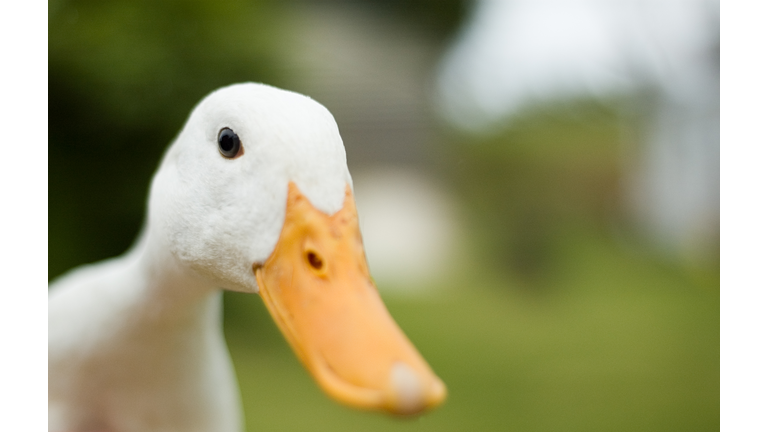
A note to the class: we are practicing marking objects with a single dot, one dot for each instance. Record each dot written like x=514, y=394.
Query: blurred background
x=537, y=182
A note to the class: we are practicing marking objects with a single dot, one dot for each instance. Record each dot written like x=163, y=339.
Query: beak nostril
x=314, y=260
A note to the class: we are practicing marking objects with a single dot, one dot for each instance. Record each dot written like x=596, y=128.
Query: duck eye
x=229, y=143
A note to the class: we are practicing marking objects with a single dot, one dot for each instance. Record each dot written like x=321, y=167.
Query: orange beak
x=318, y=290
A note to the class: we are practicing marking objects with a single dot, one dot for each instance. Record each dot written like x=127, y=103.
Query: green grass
x=614, y=341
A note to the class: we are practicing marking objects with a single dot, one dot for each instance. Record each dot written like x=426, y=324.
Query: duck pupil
x=229, y=142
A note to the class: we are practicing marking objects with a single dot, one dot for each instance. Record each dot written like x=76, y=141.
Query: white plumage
x=135, y=342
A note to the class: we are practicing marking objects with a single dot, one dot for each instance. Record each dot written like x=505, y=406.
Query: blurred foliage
x=441, y=17
x=145, y=63
x=550, y=170
x=122, y=77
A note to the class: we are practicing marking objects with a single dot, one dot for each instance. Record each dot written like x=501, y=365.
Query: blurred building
x=373, y=71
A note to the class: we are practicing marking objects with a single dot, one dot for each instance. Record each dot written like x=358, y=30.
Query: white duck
x=254, y=195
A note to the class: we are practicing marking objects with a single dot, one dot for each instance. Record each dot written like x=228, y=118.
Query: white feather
x=135, y=343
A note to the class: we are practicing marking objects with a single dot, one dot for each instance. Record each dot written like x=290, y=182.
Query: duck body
x=124, y=355
x=135, y=342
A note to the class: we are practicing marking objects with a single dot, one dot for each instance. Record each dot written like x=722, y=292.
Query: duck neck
x=168, y=290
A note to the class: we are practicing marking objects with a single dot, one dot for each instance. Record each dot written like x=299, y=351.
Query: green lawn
x=611, y=341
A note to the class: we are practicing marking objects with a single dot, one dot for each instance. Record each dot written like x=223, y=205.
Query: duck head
x=254, y=195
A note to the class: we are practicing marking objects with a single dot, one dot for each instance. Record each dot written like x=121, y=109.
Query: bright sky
x=513, y=52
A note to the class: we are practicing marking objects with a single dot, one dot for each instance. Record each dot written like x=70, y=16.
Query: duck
x=253, y=195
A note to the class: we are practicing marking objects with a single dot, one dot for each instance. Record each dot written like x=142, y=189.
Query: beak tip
x=437, y=393
x=411, y=393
